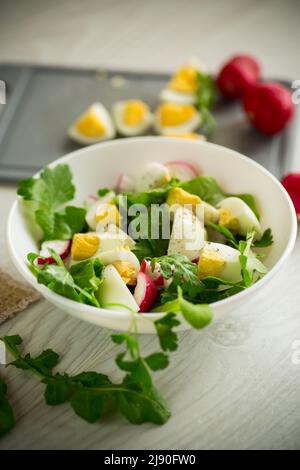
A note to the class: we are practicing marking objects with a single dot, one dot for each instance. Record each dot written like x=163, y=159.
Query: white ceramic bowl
x=99, y=165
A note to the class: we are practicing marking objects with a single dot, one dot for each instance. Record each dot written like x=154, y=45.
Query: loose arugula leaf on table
x=92, y=395
x=57, y=278
x=164, y=327
x=7, y=419
x=206, y=95
x=49, y=192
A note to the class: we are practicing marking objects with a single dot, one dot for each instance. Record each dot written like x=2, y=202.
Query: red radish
x=155, y=275
x=145, y=292
x=61, y=247
x=125, y=184
x=291, y=182
x=195, y=260
x=269, y=107
x=182, y=170
x=237, y=75
x=92, y=198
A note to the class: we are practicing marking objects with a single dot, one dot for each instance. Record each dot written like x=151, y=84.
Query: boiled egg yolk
x=126, y=271
x=108, y=214
x=84, y=246
x=173, y=114
x=184, y=80
x=134, y=113
x=210, y=264
x=228, y=220
x=186, y=135
x=90, y=125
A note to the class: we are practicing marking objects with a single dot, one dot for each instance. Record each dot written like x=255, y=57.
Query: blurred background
x=155, y=35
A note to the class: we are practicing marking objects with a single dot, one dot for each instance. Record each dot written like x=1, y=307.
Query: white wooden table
x=234, y=385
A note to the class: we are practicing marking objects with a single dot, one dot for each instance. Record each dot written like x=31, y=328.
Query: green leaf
x=88, y=274
x=58, y=279
x=52, y=188
x=157, y=361
x=7, y=419
x=103, y=191
x=59, y=389
x=206, y=188
x=197, y=315
x=206, y=95
x=50, y=191
x=182, y=271
x=249, y=261
x=226, y=232
x=168, y=339
x=266, y=239
x=139, y=408
x=138, y=372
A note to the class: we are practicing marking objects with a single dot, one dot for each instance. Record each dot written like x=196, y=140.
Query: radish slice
x=125, y=184
x=145, y=292
x=61, y=247
x=182, y=170
x=155, y=275
x=195, y=260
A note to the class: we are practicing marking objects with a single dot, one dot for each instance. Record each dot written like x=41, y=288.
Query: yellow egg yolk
x=126, y=271
x=134, y=113
x=84, y=246
x=173, y=114
x=89, y=125
x=108, y=214
x=184, y=80
x=228, y=220
x=210, y=264
x=186, y=135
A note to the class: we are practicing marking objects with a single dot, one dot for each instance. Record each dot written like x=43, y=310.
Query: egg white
x=123, y=128
x=246, y=217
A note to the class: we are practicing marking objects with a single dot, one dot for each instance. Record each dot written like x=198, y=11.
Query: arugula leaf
x=103, y=191
x=206, y=95
x=58, y=279
x=164, y=327
x=197, y=315
x=183, y=272
x=226, y=232
x=266, y=239
x=143, y=249
x=92, y=394
x=88, y=274
x=7, y=419
x=249, y=261
x=50, y=191
x=157, y=361
x=206, y=188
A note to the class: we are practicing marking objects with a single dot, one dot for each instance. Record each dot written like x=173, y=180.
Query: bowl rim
x=115, y=314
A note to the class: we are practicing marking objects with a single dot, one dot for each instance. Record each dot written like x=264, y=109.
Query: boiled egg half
x=175, y=118
x=93, y=126
x=132, y=117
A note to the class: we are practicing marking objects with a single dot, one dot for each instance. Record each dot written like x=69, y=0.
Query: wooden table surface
x=234, y=385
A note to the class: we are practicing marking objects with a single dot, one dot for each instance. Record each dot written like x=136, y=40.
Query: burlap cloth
x=14, y=296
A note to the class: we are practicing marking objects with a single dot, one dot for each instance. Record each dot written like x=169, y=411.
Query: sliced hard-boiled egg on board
x=132, y=117
x=153, y=175
x=187, y=237
x=176, y=118
x=182, y=88
x=94, y=125
x=113, y=292
x=95, y=208
x=235, y=213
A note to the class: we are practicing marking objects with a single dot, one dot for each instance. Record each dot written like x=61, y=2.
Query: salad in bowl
x=167, y=236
